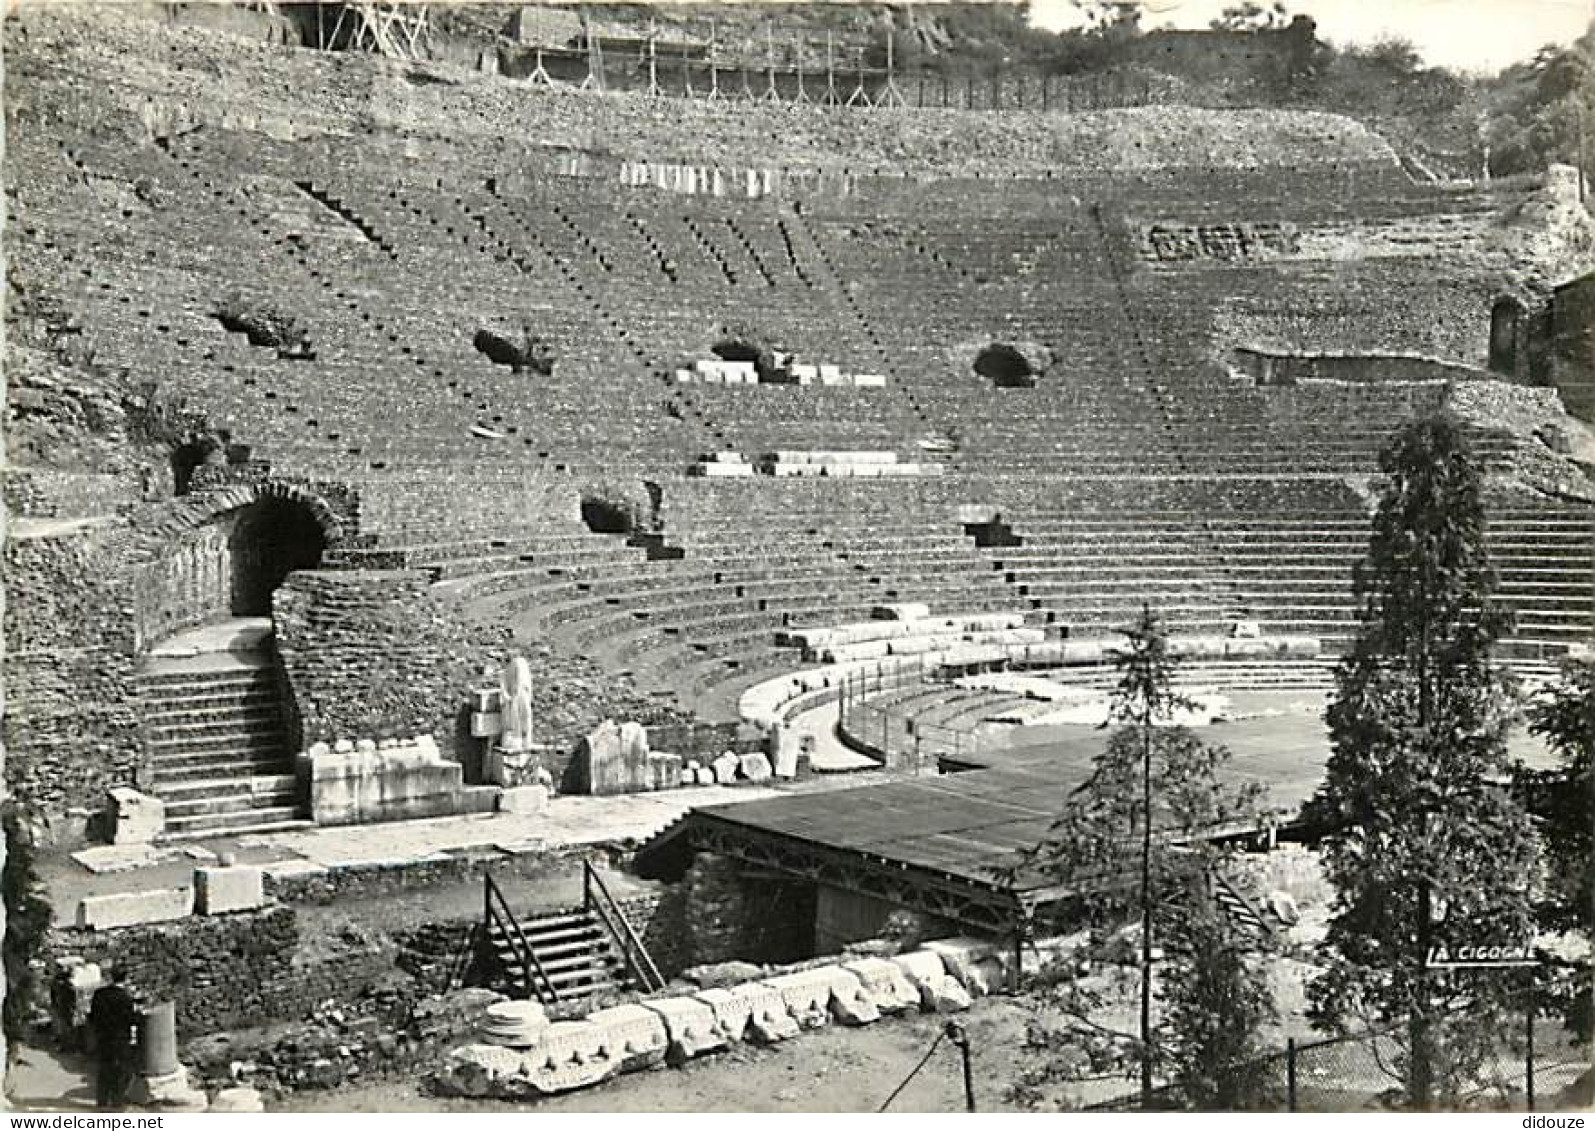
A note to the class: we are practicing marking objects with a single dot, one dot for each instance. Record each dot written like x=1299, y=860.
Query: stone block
x=613, y=759
x=523, y=799
x=785, y=763
x=515, y=767
x=732, y=1011
x=632, y=1036
x=136, y=818
x=976, y=964
x=570, y=1055
x=705, y=776
x=750, y=1012
x=690, y=1024
x=220, y=890
x=130, y=909
x=807, y=994
x=486, y=724
x=755, y=767
x=481, y=1071
x=851, y=1003
x=170, y=1091
x=358, y=787
x=725, y=768
x=927, y=973
x=885, y=983
x=485, y=701
x=902, y=610
x=238, y=1101
x=769, y=1020
x=664, y=770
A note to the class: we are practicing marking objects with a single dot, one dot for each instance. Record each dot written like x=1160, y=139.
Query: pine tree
x=1425, y=848
x=27, y=922
x=1131, y=835
x=1216, y=1004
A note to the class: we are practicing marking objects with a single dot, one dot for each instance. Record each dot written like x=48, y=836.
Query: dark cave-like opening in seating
x=1005, y=367
x=1507, y=319
x=269, y=540
x=762, y=357
x=187, y=458
x=523, y=352
x=603, y=516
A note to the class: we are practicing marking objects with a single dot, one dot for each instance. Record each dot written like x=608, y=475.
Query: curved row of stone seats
x=640, y=304
x=358, y=250
x=633, y=422
x=448, y=340
x=362, y=362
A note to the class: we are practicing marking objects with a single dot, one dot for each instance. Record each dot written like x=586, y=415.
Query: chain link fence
x=1524, y=1071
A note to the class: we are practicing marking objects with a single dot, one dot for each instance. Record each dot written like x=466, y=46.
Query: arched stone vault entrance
x=269, y=539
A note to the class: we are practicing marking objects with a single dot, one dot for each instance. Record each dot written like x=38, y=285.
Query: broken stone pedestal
x=514, y=768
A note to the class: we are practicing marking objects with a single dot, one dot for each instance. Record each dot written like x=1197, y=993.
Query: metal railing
x=894, y=736
x=497, y=914
x=597, y=901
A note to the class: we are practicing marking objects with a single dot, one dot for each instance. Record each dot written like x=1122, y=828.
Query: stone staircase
x=219, y=756
x=574, y=949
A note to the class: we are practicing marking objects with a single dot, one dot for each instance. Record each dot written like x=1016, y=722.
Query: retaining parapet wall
x=371, y=652
x=71, y=724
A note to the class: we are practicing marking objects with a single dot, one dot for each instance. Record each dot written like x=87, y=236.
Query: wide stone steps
x=249, y=800
x=243, y=822
x=216, y=736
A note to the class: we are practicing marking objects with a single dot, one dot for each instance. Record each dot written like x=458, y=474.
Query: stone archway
x=1508, y=326
x=222, y=554
x=268, y=540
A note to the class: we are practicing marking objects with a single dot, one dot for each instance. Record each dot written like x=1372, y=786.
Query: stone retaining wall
x=372, y=653
x=71, y=727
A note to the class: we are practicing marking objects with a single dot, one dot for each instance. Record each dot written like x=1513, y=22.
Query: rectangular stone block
x=136, y=818
x=690, y=1023
x=359, y=786
x=130, y=909
x=807, y=994
x=486, y=724
x=523, y=799
x=885, y=983
x=981, y=967
x=485, y=700
x=753, y=1011
x=220, y=890
x=632, y=1036
x=664, y=770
